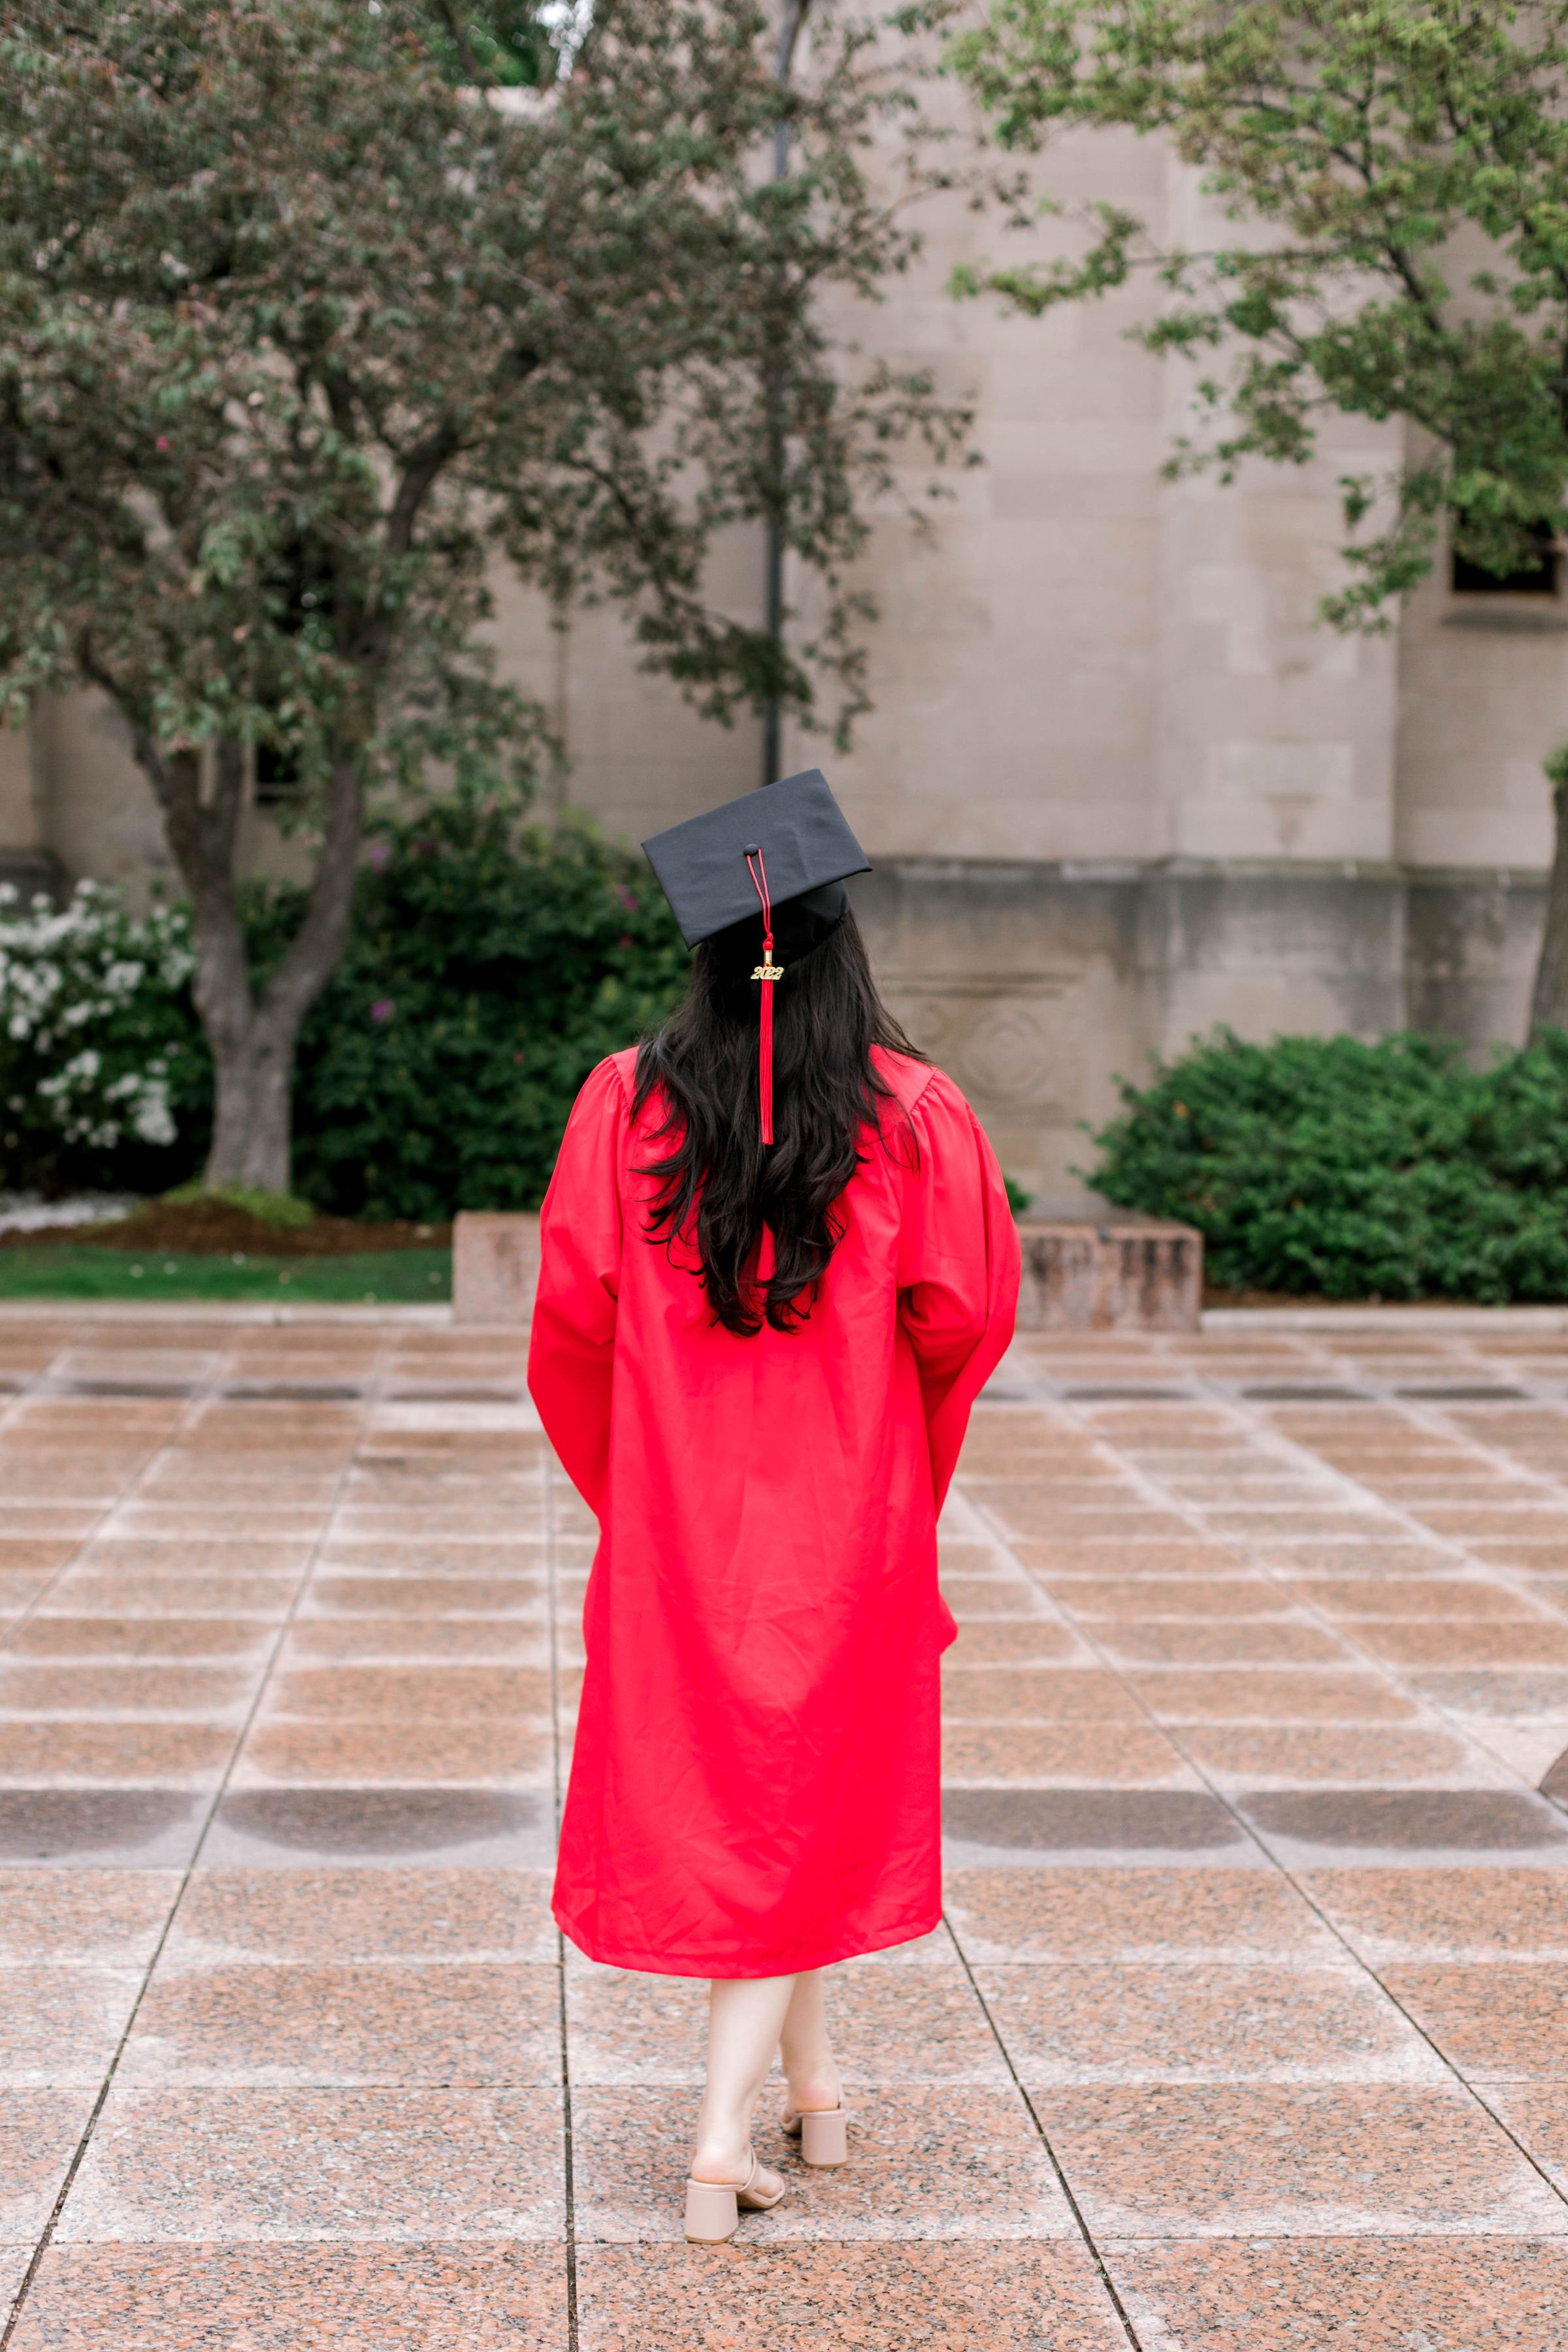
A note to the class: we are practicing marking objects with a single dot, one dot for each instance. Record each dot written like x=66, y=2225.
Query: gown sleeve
x=571, y=1346
x=959, y=1266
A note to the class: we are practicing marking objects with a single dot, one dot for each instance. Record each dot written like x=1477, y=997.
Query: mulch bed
x=218, y=1228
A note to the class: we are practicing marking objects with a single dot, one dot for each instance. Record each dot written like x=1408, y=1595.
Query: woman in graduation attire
x=778, y=1263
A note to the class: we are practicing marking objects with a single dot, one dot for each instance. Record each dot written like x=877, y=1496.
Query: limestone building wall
x=1117, y=783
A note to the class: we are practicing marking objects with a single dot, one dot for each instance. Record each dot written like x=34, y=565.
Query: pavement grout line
x=220, y=1788
x=1064, y=2184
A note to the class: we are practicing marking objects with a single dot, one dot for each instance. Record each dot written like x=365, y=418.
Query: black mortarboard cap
x=794, y=829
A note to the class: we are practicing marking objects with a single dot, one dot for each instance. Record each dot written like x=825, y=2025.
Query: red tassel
x=769, y=974
x=765, y=1050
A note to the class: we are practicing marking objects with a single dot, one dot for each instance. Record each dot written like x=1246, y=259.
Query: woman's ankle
x=815, y=2087
x=723, y=2153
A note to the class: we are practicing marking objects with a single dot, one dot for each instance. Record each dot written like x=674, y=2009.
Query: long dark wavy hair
x=719, y=1184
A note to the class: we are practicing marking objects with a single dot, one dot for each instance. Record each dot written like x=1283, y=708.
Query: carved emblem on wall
x=1003, y=1036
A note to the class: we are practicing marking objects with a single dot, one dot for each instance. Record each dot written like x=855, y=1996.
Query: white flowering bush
x=103, y=1075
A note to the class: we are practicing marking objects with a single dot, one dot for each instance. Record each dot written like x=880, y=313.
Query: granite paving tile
x=1537, y=2115
x=32, y=1555
x=1147, y=1597
x=14, y=2264
x=523, y=1594
x=54, y=1752
x=891, y=2025
x=1451, y=1913
x=1255, y=2160
x=1065, y=1559
x=397, y=2165
x=216, y=1555
x=1476, y=1640
x=20, y=1591
x=974, y=1598
x=1419, y=1821
x=431, y=1561
x=299, y=1828
x=1534, y=1521
x=1191, y=1694
x=408, y=1525
x=1129, y=1753
x=1299, y=1751
x=351, y=1914
x=1533, y=1558
x=59, y=2025
x=272, y=2297
x=171, y=1522
x=50, y=1688
x=453, y=2022
x=1038, y=1693
x=926, y=2162
x=111, y=1915
x=1116, y=2021
x=357, y=1751
x=1420, y=1597
x=39, y=2135
x=489, y=1640
x=127, y=1593
x=56, y=1635
x=1494, y=2021
x=103, y=1827
x=1050, y=1821
x=1026, y=1642
x=1337, y=2294
x=1039, y=1515
x=1066, y=1914
x=465, y=1693
x=1219, y=1641
x=1354, y=1558
x=821, y=2297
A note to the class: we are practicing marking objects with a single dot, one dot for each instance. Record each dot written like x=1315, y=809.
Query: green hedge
x=1392, y=1170
x=487, y=972
x=489, y=968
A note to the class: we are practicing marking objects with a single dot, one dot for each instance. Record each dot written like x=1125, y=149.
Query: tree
x=298, y=335
x=1408, y=164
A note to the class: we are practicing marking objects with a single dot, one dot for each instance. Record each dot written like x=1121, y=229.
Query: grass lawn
x=371, y=1277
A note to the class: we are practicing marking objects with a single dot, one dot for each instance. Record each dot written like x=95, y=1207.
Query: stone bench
x=1124, y=1273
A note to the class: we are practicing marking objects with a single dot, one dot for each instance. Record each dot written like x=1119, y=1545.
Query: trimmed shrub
x=1392, y=1171
x=104, y=1078
x=489, y=969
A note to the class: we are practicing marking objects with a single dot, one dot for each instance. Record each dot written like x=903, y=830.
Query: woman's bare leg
x=808, y=2063
x=745, y=2019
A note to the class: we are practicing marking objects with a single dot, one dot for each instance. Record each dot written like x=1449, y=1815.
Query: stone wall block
x=1131, y=1275
x=495, y=1267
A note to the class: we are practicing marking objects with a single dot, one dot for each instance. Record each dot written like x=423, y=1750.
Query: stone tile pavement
x=1249, y=2025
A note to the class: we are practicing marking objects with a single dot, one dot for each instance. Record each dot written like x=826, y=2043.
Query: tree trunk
x=1549, y=1009
x=253, y=1039
x=252, y=1114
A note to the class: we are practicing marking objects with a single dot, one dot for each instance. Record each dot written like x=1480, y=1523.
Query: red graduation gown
x=755, y=1784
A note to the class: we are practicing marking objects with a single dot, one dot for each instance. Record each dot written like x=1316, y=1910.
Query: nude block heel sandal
x=822, y=2131
x=713, y=2208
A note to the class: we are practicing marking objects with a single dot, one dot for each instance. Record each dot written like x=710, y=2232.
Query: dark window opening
x=1536, y=578
x=276, y=777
